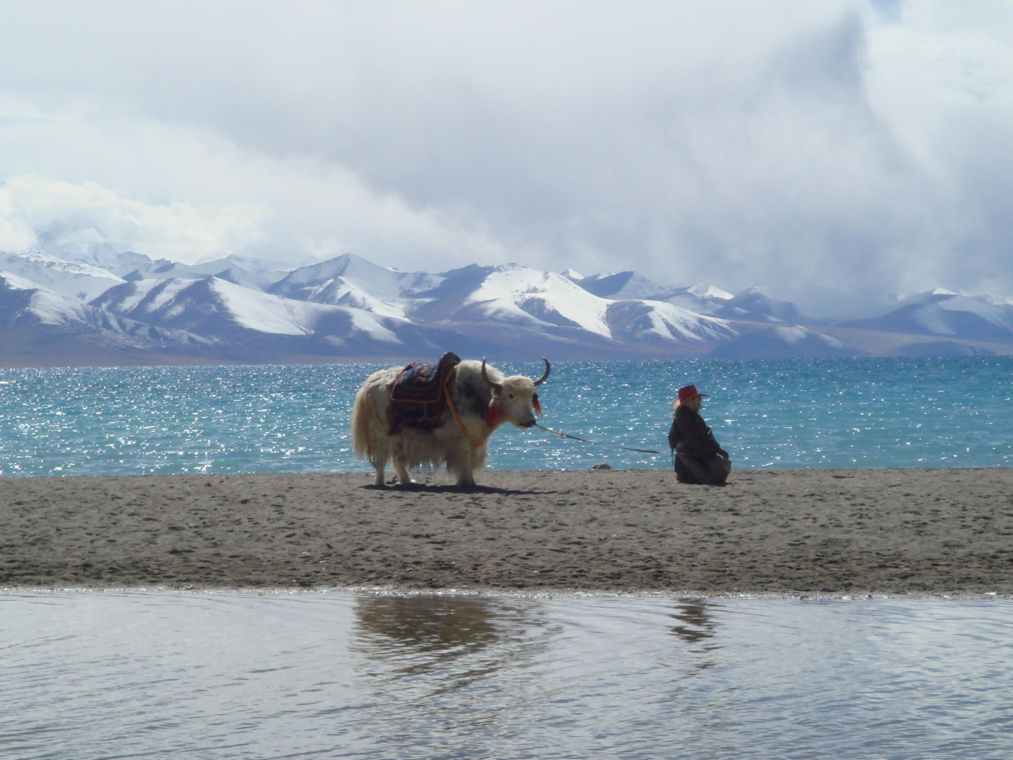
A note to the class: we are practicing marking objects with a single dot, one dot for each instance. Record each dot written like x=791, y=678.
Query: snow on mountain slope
x=516, y=291
x=701, y=299
x=72, y=279
x=11, y=281
x=783, y=342
x=262, y=312
x=348, y=306
x=219, y=308
x=752, y=304
x=243, y=270
x=235, y=269
x=207, y=302
x=352, y=281
x=709, y=291
x=657, y=321
x=945, y=313
x=623, y=286
x=22, y=300
x=993, y=311
x=51, y=317
x=310, y=278
x=543, y=302
x=107, y=257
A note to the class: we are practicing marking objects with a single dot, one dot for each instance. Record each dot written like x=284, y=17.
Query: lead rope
x=561, y=434
x=477, y=443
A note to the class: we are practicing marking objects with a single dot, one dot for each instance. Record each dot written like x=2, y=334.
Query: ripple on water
x=769, y=414
x=262, y=674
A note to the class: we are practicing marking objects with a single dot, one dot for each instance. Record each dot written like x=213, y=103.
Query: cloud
x=859, y=148
x=204, y=196
x=56, y=215
x=16, y=234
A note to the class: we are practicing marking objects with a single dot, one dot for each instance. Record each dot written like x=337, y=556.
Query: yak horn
x=485, y=378
x=548, y=369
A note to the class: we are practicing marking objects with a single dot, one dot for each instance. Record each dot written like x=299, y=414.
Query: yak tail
x=362, y=411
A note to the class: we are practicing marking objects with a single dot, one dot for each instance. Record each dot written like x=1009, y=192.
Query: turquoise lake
x=768, y=414
x=378, y=673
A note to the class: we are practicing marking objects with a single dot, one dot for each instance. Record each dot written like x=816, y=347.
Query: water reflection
x=460, y=640
x=424, y=624
x=344, y=674
x=695, y=624
x=424, y=660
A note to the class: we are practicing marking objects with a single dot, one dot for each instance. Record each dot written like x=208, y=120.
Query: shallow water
x=768, y=414
x=335, y=674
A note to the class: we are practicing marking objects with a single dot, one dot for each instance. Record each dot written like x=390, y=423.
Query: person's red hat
x=686, y=393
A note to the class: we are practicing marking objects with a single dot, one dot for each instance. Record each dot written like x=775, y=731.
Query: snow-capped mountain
x=249, y=274
x=352, y=281
x=659, y=323
x=752, y=304
x=35, y=321
x=572, y=275
x=703, y=299
x=623, y=286
x=127, y=307
x=554, y=310
x=235, y=317
x=72, y=279
x=23, y=301
x=131, y=265
x=516, y=295
x=784, y=342
x=947, y=314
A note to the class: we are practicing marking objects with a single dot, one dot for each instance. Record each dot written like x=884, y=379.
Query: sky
x=837, y=154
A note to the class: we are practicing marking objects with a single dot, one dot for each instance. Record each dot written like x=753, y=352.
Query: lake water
x=345, y=674
x=355, y=674
x=768, y=414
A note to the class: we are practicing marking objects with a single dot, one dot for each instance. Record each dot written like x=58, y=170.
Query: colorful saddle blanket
x=418, y=398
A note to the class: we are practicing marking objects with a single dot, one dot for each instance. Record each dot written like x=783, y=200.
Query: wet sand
x=783, y=532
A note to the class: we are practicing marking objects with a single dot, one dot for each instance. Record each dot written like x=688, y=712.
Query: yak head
x=515, y=398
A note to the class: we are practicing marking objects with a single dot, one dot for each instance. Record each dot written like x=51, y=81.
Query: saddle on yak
x=419, y=396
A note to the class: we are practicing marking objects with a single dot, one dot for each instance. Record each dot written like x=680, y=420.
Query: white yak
x=478, y=400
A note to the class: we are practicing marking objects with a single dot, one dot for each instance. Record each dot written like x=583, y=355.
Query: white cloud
x=60, y=215
x=287, y=209
x=803, y=147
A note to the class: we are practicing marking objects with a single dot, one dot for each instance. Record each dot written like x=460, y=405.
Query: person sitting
x=698, y=457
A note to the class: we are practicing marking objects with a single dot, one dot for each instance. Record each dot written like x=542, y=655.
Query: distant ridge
x=108, y=306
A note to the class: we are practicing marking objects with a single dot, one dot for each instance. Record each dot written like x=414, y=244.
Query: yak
x=477, y=398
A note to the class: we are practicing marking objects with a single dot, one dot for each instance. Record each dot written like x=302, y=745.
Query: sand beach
x=891, y=531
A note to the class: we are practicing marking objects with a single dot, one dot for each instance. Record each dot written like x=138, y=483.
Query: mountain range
x=102, y=306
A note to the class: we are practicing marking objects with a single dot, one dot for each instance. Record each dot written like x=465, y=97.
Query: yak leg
x=378, y=456
x=402, y=472
x=460, y=462
x=465, y=479
x=398, y=446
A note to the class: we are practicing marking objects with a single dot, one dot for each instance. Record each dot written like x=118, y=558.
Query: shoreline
x=783, y=533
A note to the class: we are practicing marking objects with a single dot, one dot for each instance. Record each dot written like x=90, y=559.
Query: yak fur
x=483, y=398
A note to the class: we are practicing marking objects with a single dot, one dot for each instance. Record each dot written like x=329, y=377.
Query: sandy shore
x=808, y=531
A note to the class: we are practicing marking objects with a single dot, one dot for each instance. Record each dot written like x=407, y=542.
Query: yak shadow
x=449, y=489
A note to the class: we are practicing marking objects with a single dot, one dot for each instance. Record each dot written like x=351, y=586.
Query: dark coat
x=691, y=437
